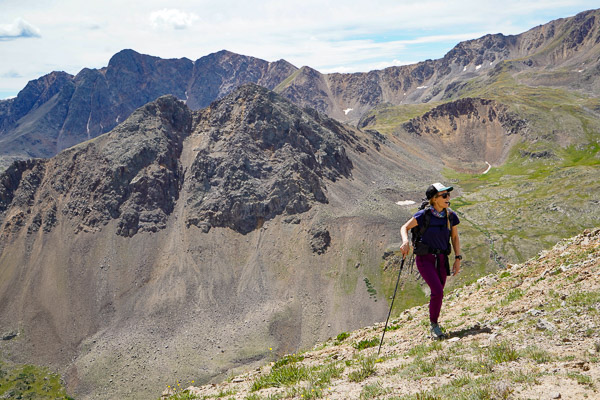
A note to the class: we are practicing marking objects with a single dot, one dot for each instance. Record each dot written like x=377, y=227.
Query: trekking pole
x=392, y=305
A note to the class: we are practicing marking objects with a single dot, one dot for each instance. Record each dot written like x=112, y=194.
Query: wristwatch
x=458, y=257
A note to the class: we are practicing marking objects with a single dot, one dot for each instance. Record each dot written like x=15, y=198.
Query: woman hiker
x=433, y=247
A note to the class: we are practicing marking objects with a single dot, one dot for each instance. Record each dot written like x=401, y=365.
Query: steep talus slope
x=530, y=331
x=190, y=242
x=59, y=110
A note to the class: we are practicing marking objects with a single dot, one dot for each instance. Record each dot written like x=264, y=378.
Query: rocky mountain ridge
x=268, y=140
x=256, y=156
x=563, y=44
x=535, y=335
x=58, y=110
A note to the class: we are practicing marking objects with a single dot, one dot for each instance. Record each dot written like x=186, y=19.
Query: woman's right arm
x=411, y=223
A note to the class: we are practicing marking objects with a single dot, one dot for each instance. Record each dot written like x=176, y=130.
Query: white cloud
x=11, y=74
x=172, y=19
x=18, y=29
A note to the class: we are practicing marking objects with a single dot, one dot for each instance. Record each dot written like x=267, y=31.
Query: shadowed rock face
x=261, y=157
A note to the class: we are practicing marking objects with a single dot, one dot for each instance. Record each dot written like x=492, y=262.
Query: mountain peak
x=131, y=174
x=262, y=156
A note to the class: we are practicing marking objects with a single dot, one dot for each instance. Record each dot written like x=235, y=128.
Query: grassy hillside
x=546, y=189
x=30, y=382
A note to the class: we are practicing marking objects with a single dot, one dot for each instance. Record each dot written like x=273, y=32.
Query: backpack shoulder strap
x=427, y=219
x=448, y=213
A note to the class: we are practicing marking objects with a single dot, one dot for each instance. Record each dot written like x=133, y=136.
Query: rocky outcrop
x=469, y=130
x=132, y=175
x=261, y=156
x=320, y=239
x=11, y=179
x=481, y=110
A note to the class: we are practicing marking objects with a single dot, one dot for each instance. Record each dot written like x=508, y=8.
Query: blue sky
x=37, y=37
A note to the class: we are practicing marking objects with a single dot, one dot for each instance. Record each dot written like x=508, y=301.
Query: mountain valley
x=170, y=219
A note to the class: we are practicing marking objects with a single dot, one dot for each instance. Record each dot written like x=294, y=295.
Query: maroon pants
x=435, y=277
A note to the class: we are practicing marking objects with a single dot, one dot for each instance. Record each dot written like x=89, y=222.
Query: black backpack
x=419, y=248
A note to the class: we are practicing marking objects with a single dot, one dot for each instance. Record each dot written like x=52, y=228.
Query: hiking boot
x=436, y=332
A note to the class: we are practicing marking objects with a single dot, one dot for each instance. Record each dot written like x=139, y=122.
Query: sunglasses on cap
x=444, y=195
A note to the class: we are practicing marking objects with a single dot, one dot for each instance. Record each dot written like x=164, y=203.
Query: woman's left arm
x=456, y=247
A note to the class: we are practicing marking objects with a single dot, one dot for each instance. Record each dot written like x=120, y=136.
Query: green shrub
x=373, y=391
x=503, y=352
x=461, y=381
x=311, y=392
x=581, y=378
x=342, y=336
x=30, y=382
x=184, y=395
x=512, y=296
x=366, y=369
x=365, y=344
x=424, y=349
x=330, y=371
x=538, y=355
x=283, y=376
x=288, y=359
